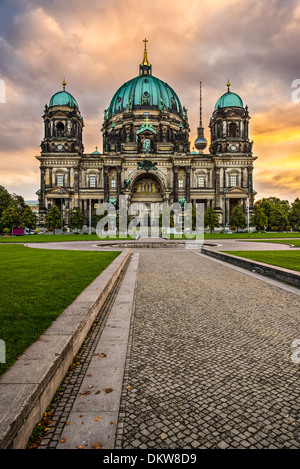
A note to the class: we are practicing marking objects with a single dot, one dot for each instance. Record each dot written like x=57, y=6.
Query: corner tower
x=63, y=124
x=229, y=126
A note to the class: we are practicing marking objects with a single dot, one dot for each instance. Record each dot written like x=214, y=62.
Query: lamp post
x=248, y=215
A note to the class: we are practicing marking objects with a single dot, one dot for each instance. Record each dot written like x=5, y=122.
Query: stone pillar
x=106, y=183
x=175, y=183
x=42, y=193
x=227, y=210
x=250, y=187
x=119, y=183
x=217, y=189
x=76, y=187
x=188, y=183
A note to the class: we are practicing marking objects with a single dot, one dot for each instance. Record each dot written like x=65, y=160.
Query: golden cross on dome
x=145, y=41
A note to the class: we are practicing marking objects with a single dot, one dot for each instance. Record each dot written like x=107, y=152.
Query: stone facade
x=146, y=152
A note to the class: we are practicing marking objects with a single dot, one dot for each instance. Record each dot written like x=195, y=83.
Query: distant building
x=146, y=151
x=34, y=205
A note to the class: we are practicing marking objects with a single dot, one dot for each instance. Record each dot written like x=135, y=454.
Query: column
x=250, y=187
x=106, y=183
x=119, y=183
x=217, y=189
x=227, y=210
x=76, y=187
x=175, y=183
x=42, y=193
x=188, y=183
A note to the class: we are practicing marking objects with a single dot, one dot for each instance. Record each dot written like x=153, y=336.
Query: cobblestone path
x=209, y=363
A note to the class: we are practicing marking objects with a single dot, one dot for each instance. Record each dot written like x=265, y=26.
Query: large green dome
x=229, y=99
x=145, y=92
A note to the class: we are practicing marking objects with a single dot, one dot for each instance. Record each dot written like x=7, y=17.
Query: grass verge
x=36, y=286
x=285, y=259
x=26, y=239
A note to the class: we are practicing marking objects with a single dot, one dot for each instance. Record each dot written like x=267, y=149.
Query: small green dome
x=63, y=98
x=144, y=92
x=229, y=99
x=96, y=152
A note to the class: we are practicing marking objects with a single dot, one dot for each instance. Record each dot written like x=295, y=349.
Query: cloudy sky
x=97, y=46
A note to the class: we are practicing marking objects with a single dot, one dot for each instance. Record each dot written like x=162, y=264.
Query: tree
x=76, y=219
x=278, y=217
x=273, y=207
x=10, y=218
x=294, y=214
x=259, y=219
x=28, y=218
x=238, y=218
x=53, y=218
x=18, y=202
x=5, y=199
x=211, y=219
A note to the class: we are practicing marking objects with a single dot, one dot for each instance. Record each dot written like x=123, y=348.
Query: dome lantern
x=145, y=66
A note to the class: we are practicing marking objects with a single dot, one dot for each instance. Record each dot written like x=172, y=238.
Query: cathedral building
x=146, y=152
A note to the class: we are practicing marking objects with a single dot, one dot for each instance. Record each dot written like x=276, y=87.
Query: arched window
x=60, y=129
x=232, y=130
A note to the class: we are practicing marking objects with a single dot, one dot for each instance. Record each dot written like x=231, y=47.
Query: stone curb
x=278, y=273
x=29, y=386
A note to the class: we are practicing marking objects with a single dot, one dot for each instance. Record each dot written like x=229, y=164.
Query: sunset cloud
x=97, y=46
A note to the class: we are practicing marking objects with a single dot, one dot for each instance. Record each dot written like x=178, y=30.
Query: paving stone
x=210, y=355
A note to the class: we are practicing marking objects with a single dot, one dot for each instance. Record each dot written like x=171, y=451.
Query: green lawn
x=36, y=286
x=53, y=238
x=286, y=259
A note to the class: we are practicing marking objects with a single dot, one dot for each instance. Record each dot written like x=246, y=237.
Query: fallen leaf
x=91, y=387
x=97, y=419
x=85, y=393
x=111, y=423
x=80, y=447
x=90, y=375
x=97, y=446
x=68, y=423
x=103, y=355
x=63, y=440
x=108, y=390
x=98, y=392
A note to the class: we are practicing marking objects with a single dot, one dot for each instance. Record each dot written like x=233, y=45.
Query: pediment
x=237, y=191
x=57, y=190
